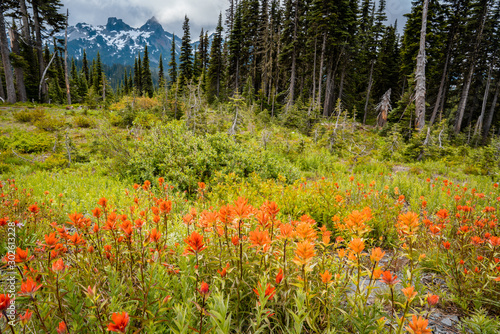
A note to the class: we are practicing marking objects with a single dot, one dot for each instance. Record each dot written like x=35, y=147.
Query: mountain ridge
x=119, y=43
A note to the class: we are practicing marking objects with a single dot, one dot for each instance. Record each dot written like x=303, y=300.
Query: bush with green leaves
x=27, y=142
x=185, y=158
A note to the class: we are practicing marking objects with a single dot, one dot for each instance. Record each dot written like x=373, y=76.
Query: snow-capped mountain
x=119, y=43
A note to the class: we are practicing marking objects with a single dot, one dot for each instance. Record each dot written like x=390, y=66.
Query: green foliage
x=479, y=323
x=185, y=158
x=26, y=115
x=50, y=124
x=82, y=121
x=31, y=142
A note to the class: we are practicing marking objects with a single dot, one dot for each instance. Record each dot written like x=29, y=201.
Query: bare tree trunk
x=468, y=80
x=66, y=76
x=38, y=44
x=342, y=77
x=440, y=95
x=368, y=90
x=2, y=91
x=327, y=91
x=42, y=80
x=479, y=124
x=320, y=78
x=420, y=74
x=25, y=19
x=314, y=75
x=489, y=120
x=293, y=74
x=9, y=77
x=384, y=107
x=18, y=70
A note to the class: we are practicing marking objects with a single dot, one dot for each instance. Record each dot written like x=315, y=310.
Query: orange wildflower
x=286, y=231
x=408, y=223
x=4, y=302
x=24, y=318
x=279, y=276
x=260, y=239
x=29, y=287
x=357, y=245
x=376, y=255
x=61, y=329
x=432, y=300
x=165, y=206
x=58, y=265
x=418, y=326
x=194, y=243
x=102, y=202
x=326, y=277
x=409, y=292
x=305, y=231
x=119, y=322
x=446, y=245
x=376, y=273
x=269, y=292
x=204, y=289
x=22, y=255
x=154, y=235
x=272, y=209
x=304, y=253
x=241, y=209
x=389, y=279
x=33, y=208
x=51, y=240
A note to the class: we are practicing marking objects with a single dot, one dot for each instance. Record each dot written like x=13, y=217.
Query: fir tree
x=215, y=69
x=147, y=82
x=161, y=73
x=185, y=61
x=172, y=71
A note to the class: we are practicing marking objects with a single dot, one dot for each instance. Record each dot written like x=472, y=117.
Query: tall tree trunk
x=9, y=77
x=328, y=90
x=320, y=78
x=489, y=120
x=342, y=77
x=2, y=91
x=66, y=76
x=25, y=19
x=420, y=74
x=368, y=90
x=440, y=95
x=468, y=80
x=38, y=46
x=293, y=74
x=18, y=70
x=314, y=75
x=479, y=124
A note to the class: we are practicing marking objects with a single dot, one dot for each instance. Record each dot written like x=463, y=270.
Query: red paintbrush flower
x=119, y=322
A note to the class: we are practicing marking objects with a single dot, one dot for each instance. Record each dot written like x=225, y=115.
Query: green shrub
x=27, y=142
x=54, y=161
x=49, y=124
x=184, y=158
x=25, y=116
x=83, y=122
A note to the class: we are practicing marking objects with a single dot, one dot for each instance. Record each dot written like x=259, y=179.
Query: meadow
x=128, y=221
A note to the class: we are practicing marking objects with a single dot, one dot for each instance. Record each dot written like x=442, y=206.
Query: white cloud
x=201, y=13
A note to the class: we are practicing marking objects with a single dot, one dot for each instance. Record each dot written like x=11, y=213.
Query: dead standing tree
x=420, y=74
x=384, y=107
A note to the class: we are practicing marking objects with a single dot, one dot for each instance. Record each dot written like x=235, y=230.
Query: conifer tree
x=216, y=67
x=147, y=82
x=185, y=59
x=161, y=73
x=172, y=71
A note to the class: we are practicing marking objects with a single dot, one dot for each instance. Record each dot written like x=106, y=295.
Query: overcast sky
x=170, y=13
